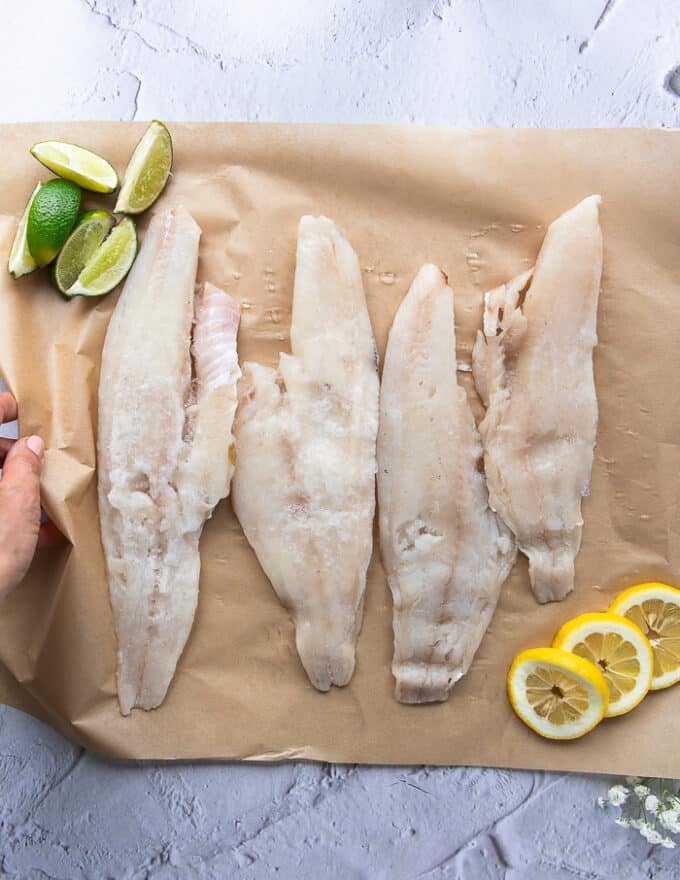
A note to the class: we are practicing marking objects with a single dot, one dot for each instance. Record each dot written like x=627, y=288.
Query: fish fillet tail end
x=130, y=697
x=551, y=574
x=147, y=694
x=423, y=682
x=126, y=698
x=327, y=664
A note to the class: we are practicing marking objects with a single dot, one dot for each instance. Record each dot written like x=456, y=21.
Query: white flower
x=618, y=795
x=641, y=791
x=668, y=843
x=651, y=803
x=649, y=832
x=622, y=820
x=635, y=823
x=670, y=819
x=645, y=829
x=602, y=802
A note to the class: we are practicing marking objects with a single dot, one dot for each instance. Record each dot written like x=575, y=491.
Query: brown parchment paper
x=475, y=202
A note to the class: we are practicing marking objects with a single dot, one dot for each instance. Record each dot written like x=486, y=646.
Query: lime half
x=110, y=263
x=82, y=166
x=81, y=245
x=51, y=215
x=20, y=260
x=147, y=172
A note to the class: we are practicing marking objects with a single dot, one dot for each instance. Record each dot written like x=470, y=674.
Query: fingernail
x=36, y=445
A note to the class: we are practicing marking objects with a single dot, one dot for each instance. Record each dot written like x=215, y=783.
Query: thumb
x=22, y=466
x=20, y=484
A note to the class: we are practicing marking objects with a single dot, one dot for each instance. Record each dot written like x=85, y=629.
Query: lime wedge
x=51, y=216
x=91, y=229
x=20, y=260
x=96, y=213
x=82, y=166
x=147, y=172
x=110, y=263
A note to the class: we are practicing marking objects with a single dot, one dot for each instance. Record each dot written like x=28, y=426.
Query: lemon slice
x=110, y=263
x=147, y=172
x=655, y=608
x=20, y=260
x=82, y=166
x=619, y=648
x=557, y=694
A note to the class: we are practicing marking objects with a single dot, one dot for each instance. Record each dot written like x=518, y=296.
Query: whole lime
x=51, y=217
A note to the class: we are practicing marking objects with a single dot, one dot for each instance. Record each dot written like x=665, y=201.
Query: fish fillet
x=304, y=486
x=165, y=453
x=533, y=367
x=445, y=552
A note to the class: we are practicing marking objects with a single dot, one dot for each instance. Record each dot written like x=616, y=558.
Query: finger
x=20, y=508
x=49, y=535
x=22, y=465
x=5, y=446
x=8, y=407
x=20, y=484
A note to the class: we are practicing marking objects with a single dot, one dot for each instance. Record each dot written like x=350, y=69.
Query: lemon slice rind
x=642, y=604
x=620, y=648
x=575, y=708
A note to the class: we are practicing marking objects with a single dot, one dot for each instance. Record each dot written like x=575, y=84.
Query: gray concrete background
x=67, y=814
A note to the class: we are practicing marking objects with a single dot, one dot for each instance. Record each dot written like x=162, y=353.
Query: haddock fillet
x=533, y=367
x=304, y=486
x=165, y=452
x=445, y=552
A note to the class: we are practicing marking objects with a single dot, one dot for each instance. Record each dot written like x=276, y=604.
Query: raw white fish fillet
x=533, y=367
x=165, y=453
x=445, y=552
x=304, y=486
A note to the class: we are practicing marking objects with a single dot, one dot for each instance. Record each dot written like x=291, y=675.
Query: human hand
x=20, y=528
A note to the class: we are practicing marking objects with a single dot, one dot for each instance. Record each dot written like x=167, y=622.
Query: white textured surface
x=67, y=814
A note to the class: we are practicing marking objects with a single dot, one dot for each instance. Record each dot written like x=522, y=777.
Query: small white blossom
x=618, y=795
x=653, y=836
x=649, y=832
x=654, y=811
x=670, y=819
x=651, y=803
